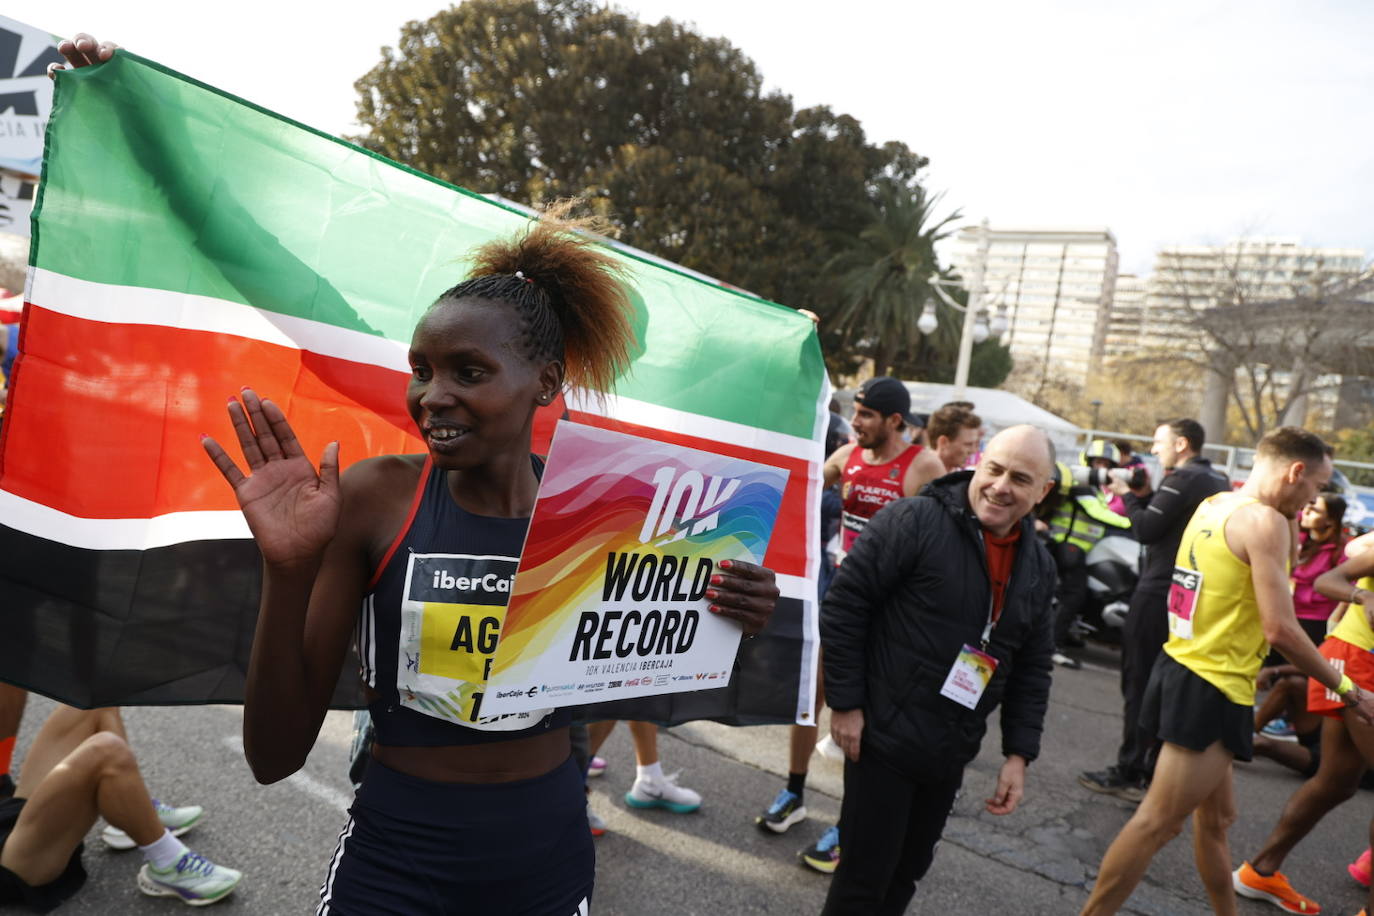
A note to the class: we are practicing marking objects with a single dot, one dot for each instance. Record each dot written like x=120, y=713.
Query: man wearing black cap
x=878, y=467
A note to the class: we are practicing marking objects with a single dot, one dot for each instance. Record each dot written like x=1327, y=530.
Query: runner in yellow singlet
x=1229, y=597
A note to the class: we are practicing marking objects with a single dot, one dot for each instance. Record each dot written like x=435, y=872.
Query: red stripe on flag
x=107, y=419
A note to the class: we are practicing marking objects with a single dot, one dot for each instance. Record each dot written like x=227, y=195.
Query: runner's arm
x=924, y=468
x=305, y=621
x=1339, y=583
x=834, y=465
x=1264, y=539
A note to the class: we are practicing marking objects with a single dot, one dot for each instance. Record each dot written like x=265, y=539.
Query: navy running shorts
x=412, y=847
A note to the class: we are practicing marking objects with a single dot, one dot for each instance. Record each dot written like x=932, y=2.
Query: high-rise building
x=1056, y=285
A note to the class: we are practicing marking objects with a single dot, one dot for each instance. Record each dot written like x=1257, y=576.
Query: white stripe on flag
x=119, y=533
x=114, y=304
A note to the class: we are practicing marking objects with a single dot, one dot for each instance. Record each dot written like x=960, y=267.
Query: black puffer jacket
x=912, y=591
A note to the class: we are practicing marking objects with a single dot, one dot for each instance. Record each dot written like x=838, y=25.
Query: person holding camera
x=1158, y=519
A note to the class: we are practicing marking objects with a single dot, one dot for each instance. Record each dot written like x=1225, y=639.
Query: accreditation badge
x=1183, y=594
x=969, y=676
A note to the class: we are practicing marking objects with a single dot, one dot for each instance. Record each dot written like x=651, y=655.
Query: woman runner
x=474, y=815
x=479, y=816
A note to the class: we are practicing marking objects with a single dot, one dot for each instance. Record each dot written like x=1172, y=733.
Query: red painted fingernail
x=714, y=609
x=717, y=580
x=727, y=564
x=205, y=435
x=712, y=594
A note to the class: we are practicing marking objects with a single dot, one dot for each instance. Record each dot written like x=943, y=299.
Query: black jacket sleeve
x=1027, y=694
x=1169, y=509
x=880, y=558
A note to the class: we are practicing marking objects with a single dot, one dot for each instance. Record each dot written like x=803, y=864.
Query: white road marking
x=307, y=784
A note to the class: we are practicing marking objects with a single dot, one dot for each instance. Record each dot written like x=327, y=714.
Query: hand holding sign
x=745, y=593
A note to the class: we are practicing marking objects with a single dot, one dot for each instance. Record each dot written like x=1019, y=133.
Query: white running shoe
x=664, y=793
x=193, y=880
x=176, y=820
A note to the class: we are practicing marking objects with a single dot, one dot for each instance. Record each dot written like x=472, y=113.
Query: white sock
x=652, y=771
x=164, y=852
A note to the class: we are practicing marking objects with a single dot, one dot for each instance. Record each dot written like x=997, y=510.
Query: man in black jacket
x=940, y=612
x=1158, y=520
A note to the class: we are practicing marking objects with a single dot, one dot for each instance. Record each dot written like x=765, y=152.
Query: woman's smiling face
x=472, y=392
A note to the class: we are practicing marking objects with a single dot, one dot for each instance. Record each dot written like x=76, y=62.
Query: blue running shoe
x=1280, y=729
x=824, y=857
x=786, y=810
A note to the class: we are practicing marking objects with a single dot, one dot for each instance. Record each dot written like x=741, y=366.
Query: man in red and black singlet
x=880, y=465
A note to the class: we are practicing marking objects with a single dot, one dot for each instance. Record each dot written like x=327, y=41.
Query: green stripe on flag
x=154, y=180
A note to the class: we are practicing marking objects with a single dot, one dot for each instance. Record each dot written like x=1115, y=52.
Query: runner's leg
x=1183, y=780
x=99, y=777
x=1337, y=779
x=1211, y=823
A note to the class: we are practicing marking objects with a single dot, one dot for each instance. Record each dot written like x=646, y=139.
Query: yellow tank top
x=1214, y=622
x=1354, y=626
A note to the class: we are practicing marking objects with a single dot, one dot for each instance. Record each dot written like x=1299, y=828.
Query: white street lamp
x=927, y=323
x=973, y=317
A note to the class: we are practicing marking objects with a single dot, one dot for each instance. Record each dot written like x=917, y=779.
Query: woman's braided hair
x=567, y=291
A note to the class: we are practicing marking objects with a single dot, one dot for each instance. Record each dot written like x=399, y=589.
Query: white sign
x=25, y=96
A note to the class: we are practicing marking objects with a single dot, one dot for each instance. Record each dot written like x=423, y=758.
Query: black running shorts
x=1181, y=708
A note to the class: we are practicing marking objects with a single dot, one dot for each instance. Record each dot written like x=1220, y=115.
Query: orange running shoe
x=1275, y=888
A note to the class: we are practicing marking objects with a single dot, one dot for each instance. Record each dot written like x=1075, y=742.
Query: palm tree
x=883, y=273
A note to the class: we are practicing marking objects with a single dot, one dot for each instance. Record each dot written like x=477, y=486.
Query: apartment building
x=1056, y=285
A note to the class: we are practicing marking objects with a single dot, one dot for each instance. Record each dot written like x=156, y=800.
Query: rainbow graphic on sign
x=609, y=597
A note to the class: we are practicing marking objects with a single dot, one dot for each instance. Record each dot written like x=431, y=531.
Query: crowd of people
x=954, y=581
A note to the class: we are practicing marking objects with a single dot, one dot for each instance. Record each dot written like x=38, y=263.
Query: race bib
x=1183, y=595
x=451, y=619
x=969, y=677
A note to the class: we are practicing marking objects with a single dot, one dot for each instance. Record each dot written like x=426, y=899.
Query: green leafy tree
x=668, y=133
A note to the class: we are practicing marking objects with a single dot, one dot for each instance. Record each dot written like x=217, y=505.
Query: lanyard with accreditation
x=972, y=670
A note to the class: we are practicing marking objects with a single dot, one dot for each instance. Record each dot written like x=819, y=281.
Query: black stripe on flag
x=174, y=625
x=167, y=625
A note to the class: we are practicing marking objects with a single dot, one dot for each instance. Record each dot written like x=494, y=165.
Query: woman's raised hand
x=292, y=511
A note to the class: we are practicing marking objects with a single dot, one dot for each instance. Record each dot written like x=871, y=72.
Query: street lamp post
x=975, y=328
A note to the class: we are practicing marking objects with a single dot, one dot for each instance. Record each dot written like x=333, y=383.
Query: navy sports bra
x=430, y=621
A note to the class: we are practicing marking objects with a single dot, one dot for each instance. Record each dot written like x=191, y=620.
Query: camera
x=1098, y=477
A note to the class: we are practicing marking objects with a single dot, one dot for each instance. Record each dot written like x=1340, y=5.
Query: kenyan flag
x=187, y=243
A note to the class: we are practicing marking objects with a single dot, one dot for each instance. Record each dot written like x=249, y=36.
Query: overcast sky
x=1169, y=122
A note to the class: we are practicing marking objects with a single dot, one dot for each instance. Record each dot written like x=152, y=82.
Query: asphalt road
x=1040, y=860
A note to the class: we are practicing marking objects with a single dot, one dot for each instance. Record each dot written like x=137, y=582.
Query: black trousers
x=1072, y=590
x=889, y=825
x=1142, y=639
